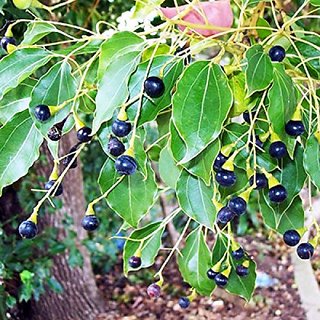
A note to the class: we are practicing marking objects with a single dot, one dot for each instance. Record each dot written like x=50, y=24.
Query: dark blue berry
x=154, y=87
x=154, y=291
x=116, y=147
x=225, y=215
x=71, y=157
x=83, y=134
x=295, y=128
x=211, y=274
x=7, y=40
x=259, y=143
x=242, y=271
x=278, y=193
x=278, y=150
x=238, y=205
x=121, y=128
x=305, y=250
x=54, y=134
x=42, y=112
x=277, y=53
x=238, y=254
x=90, y=222
x=28, y=229
x=184, y=302
x=226, y=178
x=261, y=181
x=126, y=165
x=221, y=280
x=291, y=238
x=246, y=116
x=57, y=191
x=219, y=161
x=135, y=262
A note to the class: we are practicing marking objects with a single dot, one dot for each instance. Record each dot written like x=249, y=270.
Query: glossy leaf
x=311, y=160
x=55, y=87
x=195, y=199
x=282, y=101
x=195, y=261
x=150, y=109
x=150, y=247
x=259, y=69
x=16, y=100
x=113, y=88
x=19, y=65
x=201, y=104
x=241, y=286
x=36, y=31
x=144, y=7
x=133, y=197
x=168, y=169
x=19, y=148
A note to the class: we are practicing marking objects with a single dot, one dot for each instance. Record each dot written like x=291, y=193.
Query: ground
x=127, y=298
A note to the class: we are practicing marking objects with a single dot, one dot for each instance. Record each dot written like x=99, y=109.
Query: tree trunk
x=80, y=298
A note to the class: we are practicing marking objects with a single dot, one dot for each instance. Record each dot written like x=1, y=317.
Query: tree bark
x=80, y=298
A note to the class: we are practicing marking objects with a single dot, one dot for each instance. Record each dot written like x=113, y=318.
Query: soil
x=127, y=298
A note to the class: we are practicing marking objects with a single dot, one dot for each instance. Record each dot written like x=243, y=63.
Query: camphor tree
x=121, y=86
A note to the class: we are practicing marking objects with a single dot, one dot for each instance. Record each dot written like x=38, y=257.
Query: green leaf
x=282, y=101
x=118, y=59
x=150, y=109
x=19, y=148
x=16, y=100
x=315, y=2
x=37, y=30
x=195, y=261
x=259, y=69
x=311, y=160
x=79, y=48
x=241, y=286
x=195, y=199
x=118, y=45
x=201, y=104
x=168, y=170
x=139, y=152
x=240, y=101
x=19, y=65
x=150, y=247
x=263, y=33
x=133, y=197
x=55, y=87
x=144, y=7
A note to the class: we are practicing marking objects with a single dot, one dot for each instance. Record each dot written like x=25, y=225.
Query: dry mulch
x=127, y=298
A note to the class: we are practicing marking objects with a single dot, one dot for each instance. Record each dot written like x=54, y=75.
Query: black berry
x=305, y=250
x=278, y=149
x=219, y=161
x=258, y=142
x=225, y=215
x=28, y=229
x=42, y=112
x=154, y=87
x=116, y=147
x=135, y=262
x=7, y=40
x=277, y=53
x=238, y=205
x=238, y=254
x=54, y=134
x=221, y=280
x=261, y=181
x=90, y=222
x=226, y=178
x=184, y=302
x=211, y=274
x=121, y=128
x=83, y=134
x=71, y=157
x=291, y=238
x=278, y=193
x=126, y=165
x=242, y=271
x=154, y=291
x=57, y=191
x=246, y=116
x=295, y=128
